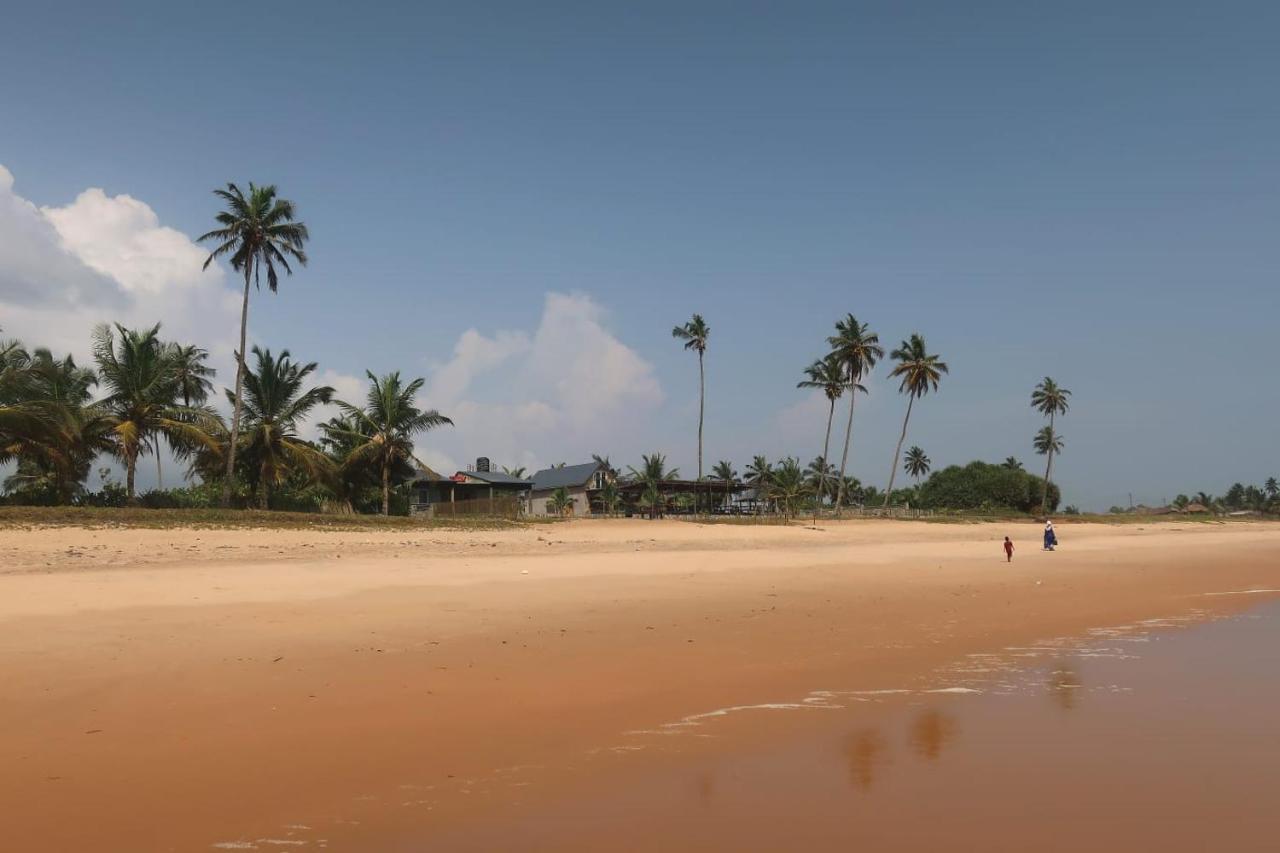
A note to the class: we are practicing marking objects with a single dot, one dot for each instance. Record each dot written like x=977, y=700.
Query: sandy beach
x=183, y=689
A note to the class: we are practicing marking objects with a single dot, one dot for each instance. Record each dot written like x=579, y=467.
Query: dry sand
x=175, y=689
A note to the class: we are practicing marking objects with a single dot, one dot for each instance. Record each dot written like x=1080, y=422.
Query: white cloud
x=568, y=389
x=104, y=258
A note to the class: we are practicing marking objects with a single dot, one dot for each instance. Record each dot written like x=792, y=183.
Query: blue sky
x=1084, y=190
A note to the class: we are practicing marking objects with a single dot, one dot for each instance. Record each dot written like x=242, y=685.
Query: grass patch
x=19, y=517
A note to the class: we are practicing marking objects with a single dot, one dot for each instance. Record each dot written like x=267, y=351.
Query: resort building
x=478, y=491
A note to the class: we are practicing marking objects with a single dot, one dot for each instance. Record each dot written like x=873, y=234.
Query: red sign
x=459, y=477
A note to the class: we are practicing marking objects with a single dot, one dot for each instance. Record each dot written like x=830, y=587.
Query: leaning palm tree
x=694, y=334
x=386, y=425
x=1050, y=400
x=1047, y=443
x=920, y=373
x=276, y=402
x=258, y=230
x=858, y=349
x=142, y=397
x=916, y=463
x=827, y=374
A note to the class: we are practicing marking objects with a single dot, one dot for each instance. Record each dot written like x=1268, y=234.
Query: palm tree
x=1011, y=463
x=609, y=496
x=652, y=472
x=275, y=404
x=916, y=463
x=1047, y=443
x=694, y=334
x=723, y=472
x=920, y=373
x=827, y=374
x=518, y=473
x=787, y=484
x=386, y=426
x=257, y=230
x=142, y=400
x=1271, y=488
x=858, y=349
x=1051, y=400
x=561, y=504
x=193, y=375
x=759, y=475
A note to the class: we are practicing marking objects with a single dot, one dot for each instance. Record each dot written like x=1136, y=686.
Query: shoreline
x=260, y=692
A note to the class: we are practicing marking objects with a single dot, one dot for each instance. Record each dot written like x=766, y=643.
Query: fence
x=496, y=507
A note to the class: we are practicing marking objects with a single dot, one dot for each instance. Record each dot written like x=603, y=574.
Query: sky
x=518, y=201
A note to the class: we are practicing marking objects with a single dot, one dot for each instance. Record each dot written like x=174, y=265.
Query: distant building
x=581, y=482
x=431, y=489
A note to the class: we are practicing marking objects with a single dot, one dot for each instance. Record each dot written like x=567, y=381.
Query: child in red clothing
x=1008, y=550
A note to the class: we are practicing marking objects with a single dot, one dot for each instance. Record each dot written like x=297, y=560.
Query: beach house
x=581, y=482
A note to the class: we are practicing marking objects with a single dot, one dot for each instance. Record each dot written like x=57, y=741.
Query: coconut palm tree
x=788, y=484
x=858, y=349
x=652, y=472
x=916, y=463
x=276, y=402
x=518, y=473
x=1011, y=463
x=694, y=334
x=193, y=375
x=561, y=504
x=723, y=472
x=609, y=496
x=1047, y=443
x=386, y=425
x=1271, y=487
x=258, y=230
x=920, y=373
x=1050, y=400
x=142, y=400
x=827, y=374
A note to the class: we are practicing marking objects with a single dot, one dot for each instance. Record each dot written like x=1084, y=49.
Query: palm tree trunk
x=893, y=470
x=848, y=431
x=239, y=399
x=264, y=490
x=386, y=488
x=130, y=468
x=1044, y=492
x=159, y=470
x=822, y=477
x=702, y=397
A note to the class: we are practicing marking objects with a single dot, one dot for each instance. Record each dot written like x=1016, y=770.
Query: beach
x=195, y=689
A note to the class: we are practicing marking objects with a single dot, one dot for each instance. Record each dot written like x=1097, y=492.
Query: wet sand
x=175, y=690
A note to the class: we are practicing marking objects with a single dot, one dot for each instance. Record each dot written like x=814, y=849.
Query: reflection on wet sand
x=867, y=753
x=1064, y=686
x=932, y=731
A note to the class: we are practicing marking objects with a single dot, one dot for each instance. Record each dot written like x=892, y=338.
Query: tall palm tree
x=386, y=425
x=694, y=334
x=142, y=400
x=258, y=230
x=1271, y=488
x=827, y=374
x=856, y=347
x=1011, y=463
x=916, y=463
x=193, y=375
x=1047, y=443
x=1050, y=400
x=275, y=404
x=920, y=373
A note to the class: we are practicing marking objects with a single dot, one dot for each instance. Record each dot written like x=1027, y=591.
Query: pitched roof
x=424, y=474
x=496, y=477
x=569, y=475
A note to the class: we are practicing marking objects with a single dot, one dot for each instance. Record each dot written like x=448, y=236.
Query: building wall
x=540, y=498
